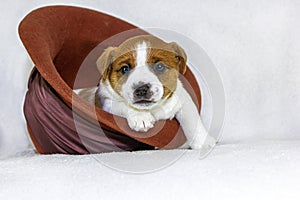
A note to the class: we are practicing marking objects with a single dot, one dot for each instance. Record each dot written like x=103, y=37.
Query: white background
x=254, y=44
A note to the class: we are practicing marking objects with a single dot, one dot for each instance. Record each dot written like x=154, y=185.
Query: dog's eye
x=125, y=68
x=159, y=67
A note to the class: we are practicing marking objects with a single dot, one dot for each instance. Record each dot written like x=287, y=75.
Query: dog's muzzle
x=143, y=94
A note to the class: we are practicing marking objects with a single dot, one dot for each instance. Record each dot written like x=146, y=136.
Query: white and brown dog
x=140, y=83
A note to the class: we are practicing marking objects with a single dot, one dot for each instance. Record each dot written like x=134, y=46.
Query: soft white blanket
x=260, y=170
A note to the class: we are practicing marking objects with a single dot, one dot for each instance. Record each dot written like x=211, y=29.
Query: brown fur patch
x=116, y=78
x=169, y=77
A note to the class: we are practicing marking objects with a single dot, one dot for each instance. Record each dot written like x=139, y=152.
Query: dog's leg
x=137, y=120
x=190, y=121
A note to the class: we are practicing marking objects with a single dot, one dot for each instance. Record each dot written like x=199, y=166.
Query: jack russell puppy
x=140, y=82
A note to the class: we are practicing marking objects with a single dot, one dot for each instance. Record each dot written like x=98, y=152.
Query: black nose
x=143, y=91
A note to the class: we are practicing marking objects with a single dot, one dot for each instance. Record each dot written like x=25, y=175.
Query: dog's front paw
x=208, y=143
x=140, y=121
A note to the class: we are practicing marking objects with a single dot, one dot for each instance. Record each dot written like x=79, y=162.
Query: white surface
x=256, y=47
x=261, y=170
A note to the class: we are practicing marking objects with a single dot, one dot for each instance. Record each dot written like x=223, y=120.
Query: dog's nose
x=143, y=91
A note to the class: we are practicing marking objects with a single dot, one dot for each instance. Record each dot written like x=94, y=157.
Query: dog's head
x=143, y=70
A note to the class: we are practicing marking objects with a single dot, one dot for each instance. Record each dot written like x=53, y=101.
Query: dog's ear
x=180, y=55
x=104, y=62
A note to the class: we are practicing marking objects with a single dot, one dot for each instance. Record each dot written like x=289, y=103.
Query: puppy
x=140, y=82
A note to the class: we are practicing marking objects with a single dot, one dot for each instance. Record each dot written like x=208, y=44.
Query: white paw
x=140, y=121
x=208, y=143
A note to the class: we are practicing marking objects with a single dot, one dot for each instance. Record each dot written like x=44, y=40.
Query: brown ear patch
x=180, y=55
x=104, y=63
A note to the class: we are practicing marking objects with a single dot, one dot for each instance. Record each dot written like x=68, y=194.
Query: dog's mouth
x=144, y=102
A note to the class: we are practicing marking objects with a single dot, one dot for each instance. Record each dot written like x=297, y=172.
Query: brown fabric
x=34, y=141
x=49, y=115
x=59, y=39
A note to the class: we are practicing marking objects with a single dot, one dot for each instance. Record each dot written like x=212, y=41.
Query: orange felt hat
x=58, y=40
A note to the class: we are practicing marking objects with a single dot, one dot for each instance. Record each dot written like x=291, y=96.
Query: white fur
x=141, y=73
x=140, y=118
x=141, y=54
